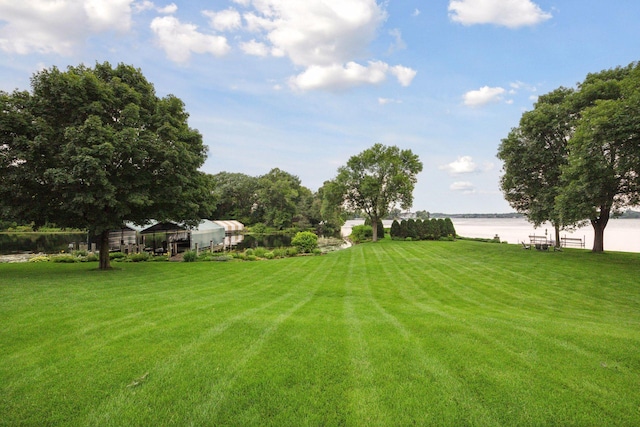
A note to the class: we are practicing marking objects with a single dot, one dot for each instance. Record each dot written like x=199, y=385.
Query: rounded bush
x=39, y=258
x=190, y=256
x=305, y=241
x=293, y=251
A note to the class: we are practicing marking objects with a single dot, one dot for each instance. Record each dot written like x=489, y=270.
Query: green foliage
x=248, y=252
x=360, y=233
x=259, y=252
x=394, y=232
x=143, y=256
x=259, y=228
x=39, y=258
x=269, y=255
x=117, y=255
x=292, y=251
x=92, y=148
x=279, y=253
x=190, y=256
x=377, y=179
x=305, y=241
x=65, y=259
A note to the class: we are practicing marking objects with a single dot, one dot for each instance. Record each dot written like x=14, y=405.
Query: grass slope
x=393, y=333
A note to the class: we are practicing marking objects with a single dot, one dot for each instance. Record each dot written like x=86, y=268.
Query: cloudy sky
x=302, y=85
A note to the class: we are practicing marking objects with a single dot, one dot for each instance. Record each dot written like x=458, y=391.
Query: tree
x=602, y=175
x=378, y=179
x=278, y=198
x=534, y=154
x=93, y=148
x=236, y=196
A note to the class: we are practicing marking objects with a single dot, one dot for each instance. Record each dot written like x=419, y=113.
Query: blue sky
x=302, y=85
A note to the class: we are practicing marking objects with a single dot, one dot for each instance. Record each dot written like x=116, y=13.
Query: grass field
x=394, y=333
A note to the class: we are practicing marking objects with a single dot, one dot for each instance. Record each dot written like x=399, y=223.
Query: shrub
x=279, y=253
x=292, y=251
x=249, y=252
x=92, y=257
x=305, y=241
x=82, y=252
x=220, y=258
x=64, y=259
x=259, y=252
x=116, y=255
x=317, y=251
x=251, y=258
x=360, y=233
x=139, y=257
x=39, y=258
x=269, y=255
x=190, y=256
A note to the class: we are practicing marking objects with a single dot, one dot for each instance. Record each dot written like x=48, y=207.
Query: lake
x=620, y=235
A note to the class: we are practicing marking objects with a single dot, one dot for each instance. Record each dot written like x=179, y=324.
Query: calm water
x=620, y=234
x=38, y=242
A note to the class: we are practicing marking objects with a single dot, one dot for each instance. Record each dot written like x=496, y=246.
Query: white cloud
x=169, y=9
x=141, y=6
x=385, y=101
x=416, y=12
x=338, y=77
x=254, y=48
x=58, y=26
x=508, y=13
x=483, y=96
x=225, y=20
x=398, y=43
x=106, y=15
x=179, y=40
x=404, y=75
x=462, y=165
x=328, y=38
x=463, y=186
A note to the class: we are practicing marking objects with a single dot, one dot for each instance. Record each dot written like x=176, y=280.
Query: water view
x=620, y=235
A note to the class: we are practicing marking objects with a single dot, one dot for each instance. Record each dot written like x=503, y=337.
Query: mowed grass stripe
x=506, y=339
x=393, y=333
x=215, y=363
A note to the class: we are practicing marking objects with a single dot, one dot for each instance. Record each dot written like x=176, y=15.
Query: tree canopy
x=95, y=147
x=378, y=179
x=576, y=156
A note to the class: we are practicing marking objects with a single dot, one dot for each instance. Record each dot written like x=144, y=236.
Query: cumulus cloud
x=225, y=20
x=328, y=38
x=484, y=95
x=507, y=13
x=463, y=186
x=179, y=40
x=255, y=48
x=58, y=26
x=462, y=165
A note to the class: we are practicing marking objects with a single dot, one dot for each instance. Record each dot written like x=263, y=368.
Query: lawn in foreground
x=393, y=333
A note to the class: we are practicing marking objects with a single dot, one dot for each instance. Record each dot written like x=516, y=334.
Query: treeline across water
x=427, y=229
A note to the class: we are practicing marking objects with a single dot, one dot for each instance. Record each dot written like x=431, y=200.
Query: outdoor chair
x=525, y=246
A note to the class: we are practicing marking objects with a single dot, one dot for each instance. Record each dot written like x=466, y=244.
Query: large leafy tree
x=278, y=195
x=602, y=175
x=378, y=179
x=95, y=147
x=533, y=155
x=236, y=196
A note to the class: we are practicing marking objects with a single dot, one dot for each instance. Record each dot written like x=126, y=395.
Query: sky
x=303, y=85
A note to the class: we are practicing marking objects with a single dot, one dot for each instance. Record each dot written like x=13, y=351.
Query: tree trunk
x=105, y=263
x=557, y=230
x=374, y=226
x=599, y=225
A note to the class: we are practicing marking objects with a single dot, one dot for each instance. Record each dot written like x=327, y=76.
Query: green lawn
x=393, y=333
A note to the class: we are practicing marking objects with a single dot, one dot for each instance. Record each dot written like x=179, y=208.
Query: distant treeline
x=479, y=215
